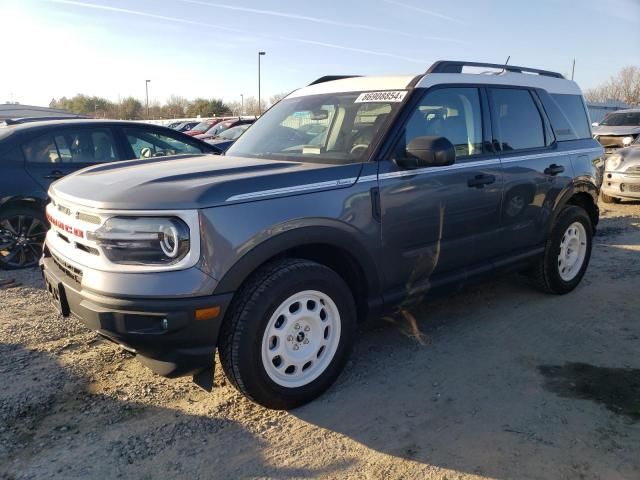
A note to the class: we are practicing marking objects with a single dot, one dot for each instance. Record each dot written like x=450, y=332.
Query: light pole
x=146, y=87
x=241, y=104
x=259, y=98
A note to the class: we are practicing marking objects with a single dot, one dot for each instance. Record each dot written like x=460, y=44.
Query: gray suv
x=352, y=197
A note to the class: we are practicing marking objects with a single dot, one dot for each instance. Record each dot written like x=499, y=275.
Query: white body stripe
x=402, y=173
x=295, y=189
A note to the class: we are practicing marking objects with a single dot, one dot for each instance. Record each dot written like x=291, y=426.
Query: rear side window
x=572, y=109
x=86, y=146
x=517, y=119
x=41, y=150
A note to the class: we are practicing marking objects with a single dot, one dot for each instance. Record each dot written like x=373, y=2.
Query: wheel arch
x=581, y=194
x=330, y=246
x=30, y=201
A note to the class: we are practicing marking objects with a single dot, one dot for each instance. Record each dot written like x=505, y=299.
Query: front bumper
x=621, y=185
x=163, y=333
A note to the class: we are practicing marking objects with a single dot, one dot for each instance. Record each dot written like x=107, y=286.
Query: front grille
x=68, y=269
x=633, y=170
x=611, y=141
x=633, y=188
x=87, y=217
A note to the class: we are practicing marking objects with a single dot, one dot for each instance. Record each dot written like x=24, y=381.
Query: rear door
x=536, y=169
x=440, y=221
x=61, y=151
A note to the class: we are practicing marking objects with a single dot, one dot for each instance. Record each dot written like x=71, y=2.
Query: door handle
x=553, y=169
x=55, y=174
x=479, y=181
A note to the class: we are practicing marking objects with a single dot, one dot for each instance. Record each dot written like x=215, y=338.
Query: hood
x=621, y=130
x=198, y=181
x=631, y=155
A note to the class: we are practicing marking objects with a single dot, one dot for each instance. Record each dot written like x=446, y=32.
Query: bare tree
x=622, y=87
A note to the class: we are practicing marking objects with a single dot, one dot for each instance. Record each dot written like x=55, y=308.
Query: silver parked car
x=622, y=173
x=618, y=129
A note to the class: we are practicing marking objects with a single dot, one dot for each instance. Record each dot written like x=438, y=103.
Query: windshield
x=329, y=128
x=218, y=129
x=622, y=119
x=233, y=133
x=202, y=126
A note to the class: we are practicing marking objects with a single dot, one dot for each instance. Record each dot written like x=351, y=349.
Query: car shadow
x=491, y=391
x=54, y=426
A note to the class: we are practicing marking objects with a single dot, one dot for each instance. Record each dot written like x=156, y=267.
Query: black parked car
x=33, y=154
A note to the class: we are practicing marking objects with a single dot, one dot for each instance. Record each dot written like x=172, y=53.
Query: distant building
x=598, y=110
x=15, y=110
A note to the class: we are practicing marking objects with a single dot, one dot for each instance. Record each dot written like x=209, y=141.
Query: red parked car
x=220, y=127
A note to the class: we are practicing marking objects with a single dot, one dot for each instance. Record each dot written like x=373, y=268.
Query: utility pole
x=146, y=87
x=241, y=104
x=259, y=97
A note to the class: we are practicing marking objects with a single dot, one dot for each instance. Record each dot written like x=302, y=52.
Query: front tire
x=22, y=233
x=288, y=334
x=567, y=253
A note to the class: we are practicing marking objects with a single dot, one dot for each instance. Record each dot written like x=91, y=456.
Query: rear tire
x=22, y=233
x=288, y=334
x=566, y=254
x=609, y=199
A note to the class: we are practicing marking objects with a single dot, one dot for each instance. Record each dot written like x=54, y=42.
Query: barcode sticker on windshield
x=387, y=96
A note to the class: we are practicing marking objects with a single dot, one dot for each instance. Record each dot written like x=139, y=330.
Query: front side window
x=146, y=144
x=41, y=150
x=337, y=128
x=453, y=113
x=517, y=119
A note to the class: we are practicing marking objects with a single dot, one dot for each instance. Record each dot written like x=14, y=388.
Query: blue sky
x=209, y=48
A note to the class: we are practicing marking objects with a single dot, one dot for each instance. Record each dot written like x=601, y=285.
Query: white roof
x=401, y=82
x=356, y=84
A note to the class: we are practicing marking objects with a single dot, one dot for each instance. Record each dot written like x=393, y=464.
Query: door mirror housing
x=428, y=152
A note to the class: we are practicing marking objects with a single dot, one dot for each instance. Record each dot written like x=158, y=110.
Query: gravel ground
x=500, y=381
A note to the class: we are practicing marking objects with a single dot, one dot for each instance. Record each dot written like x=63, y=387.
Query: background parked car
x=33, y=154
x=185, y=126
x=226, y=138
x=205, y=125
x=618, y=129
x=222, y=126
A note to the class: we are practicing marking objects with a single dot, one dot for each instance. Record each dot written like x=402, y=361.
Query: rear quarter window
x=13, y=155
x=568, y=116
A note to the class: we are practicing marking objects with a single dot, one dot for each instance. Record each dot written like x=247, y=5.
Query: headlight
x=143, y=240
x=614, y=161
x=626, y=141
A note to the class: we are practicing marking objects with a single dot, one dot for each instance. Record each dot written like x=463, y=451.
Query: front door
x=438, y=222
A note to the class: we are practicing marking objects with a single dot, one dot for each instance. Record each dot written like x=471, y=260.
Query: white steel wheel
x=301, y=338
x=573, y=248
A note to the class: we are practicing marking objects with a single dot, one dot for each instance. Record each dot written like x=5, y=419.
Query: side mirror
x=595, y=124
x=428, y=152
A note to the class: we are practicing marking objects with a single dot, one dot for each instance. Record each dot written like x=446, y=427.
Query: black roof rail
x=330, y=78
x=453, y=66
x=16, y=121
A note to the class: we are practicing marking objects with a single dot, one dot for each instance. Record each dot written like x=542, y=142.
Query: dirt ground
x=511, y=384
